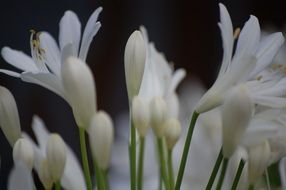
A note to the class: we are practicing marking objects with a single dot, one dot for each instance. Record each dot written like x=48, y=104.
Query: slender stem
x=238, y=174
x=170, y=169
x=58, y=185
x=251, y=187
x=215, y=170
x=141, y=164
x=84, y=158
x=163, y=163
x=222, y=174
x=99, y=176
x=186, y=150
x=132, y=156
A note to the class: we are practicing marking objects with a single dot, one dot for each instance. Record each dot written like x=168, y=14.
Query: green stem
x=141, y=164
x=163, y=163
x=251, y=187
x=238, y=174
x=222, y=174
x=100, y=181
x=215, y=170
x=170, y=169
x=84, y=158
x=132, y=156
x=58, y=185
x=186, y=150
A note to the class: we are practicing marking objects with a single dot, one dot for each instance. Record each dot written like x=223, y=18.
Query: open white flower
x=44, y=65
x=251, y=56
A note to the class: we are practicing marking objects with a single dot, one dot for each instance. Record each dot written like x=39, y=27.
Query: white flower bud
x=9, y=118
x=23, y=151
x=258, y=161
x=79, y=89
x=158, y=113
x=101, y=138
x=140, y=115
x=56, y=156
x=172, y=130
x=45, y=175
x=237, y=112
x=134, y=63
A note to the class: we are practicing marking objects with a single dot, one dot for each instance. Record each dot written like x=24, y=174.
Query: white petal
x=70, y=31
x=40, y=131
x=90, y=31
x=227, y=38
x=10, y=73
x=249, y=37
x=177, y=77
x=268, y=48
x=18, y=59
x=67, y=51
x=20, y=178
x=46, y=80
x=51, y=52
x=273, y=102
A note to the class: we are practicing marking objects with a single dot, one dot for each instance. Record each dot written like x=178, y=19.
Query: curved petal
x=46, y=80
x=273, y=102
x=90, y=31
x=19, y=59
x=20, y=178
x=10, y=73
x=70, y=31
x=177, y=77
x=227, y=38
x=51, y=52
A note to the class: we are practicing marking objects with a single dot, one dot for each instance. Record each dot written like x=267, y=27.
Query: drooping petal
x=51, y=52
x=90, y=31
x=227, y=38
x=70, y=31
x=20, y=178
x=268, y=48
x=19, y=60
x=46, y=80
x=10, y=73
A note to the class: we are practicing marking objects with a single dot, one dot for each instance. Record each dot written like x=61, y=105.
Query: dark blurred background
x=186, y=31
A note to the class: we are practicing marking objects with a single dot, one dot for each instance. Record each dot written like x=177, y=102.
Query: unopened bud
x=172, y=130
x=56, y=156
x=23, y=151
x=158, y=113
x=134, y=63
x=101, y=138
x=140, y=115
x=45, y=175
x=9, y=118
x=79, y=89
x=237, y=112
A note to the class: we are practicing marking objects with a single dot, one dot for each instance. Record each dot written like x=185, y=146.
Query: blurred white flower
x=20, y=177
x=24, y=152
x=44, y=67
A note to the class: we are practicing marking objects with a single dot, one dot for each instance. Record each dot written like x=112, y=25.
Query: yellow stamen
x=236, y=33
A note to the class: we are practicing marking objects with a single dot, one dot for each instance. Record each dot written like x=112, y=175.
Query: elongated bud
x=134, y=63
x=158, y=113
x=236, y=114
x=56, y=156
x=101, y=138
x=79, y=88
x=23, y=151
x=45, y=175
x=172, y=130
x=9, y=118
x=140, y=115
x=258, y=160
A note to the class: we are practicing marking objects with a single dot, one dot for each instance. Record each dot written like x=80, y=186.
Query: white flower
x=140, y=115
x=44, y=67
x=251, y=56
x=23, y=151
x=20, y=178
x=9, y=117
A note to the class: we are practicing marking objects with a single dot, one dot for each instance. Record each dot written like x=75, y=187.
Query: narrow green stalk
x=141, y=164
x=100, y=182
x=132, y=156
x=251, y=187
x=238, y=174
x=163, y=163
x=215, y=170
x=186, y=150
x=170, y=169
x=84, y=158
x=222, y=174
x=58, y=185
